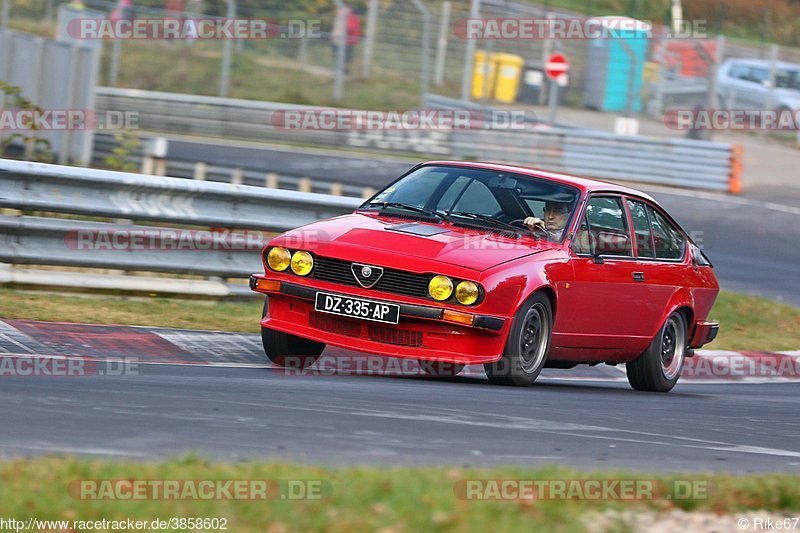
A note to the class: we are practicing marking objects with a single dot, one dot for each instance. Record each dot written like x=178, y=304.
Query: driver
x=555, y=220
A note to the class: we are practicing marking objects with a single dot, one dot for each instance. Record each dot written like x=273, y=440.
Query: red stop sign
x=556, y=66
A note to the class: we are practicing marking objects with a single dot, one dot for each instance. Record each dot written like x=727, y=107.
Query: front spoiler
x=485, y=322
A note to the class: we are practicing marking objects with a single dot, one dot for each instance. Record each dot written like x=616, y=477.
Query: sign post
x=556, y=69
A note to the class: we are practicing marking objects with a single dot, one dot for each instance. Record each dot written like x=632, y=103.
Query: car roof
x=583, y=183
x=764, y=63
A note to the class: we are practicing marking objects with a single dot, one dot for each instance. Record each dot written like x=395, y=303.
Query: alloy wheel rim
x=533, y=341
x=673, y=348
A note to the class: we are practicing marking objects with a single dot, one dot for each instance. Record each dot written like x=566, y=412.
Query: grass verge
x=748, y=322
x=368, y=499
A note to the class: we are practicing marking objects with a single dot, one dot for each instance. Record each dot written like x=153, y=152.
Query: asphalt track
x=752, y=242
x=216, y=394
x=242, y=413
x=592, y=420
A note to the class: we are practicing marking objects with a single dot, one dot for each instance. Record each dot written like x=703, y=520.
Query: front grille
x=335, y=324
x=395, y=281
x=395, y=336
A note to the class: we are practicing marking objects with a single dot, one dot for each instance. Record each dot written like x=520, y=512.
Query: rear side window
x=641, y=229
x=669, y=242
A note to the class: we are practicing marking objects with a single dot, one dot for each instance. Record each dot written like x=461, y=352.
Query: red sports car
x=461, y=263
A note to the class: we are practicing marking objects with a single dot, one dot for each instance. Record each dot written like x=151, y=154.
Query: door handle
x=638, y=276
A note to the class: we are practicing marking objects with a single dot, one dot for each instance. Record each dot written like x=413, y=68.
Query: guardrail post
x=200, y=169
x=271, y=181
x=237, y=176
x=304, y=185
x=735, y=178
x=336, y=189
x=367, y=192
x=155, y=157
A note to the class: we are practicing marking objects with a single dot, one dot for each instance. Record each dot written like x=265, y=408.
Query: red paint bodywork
x=601, y=315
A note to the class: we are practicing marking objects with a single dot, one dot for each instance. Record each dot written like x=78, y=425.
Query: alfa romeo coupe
x=459, y=263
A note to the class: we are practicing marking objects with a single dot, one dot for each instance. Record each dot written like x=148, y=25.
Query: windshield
x=481, y=198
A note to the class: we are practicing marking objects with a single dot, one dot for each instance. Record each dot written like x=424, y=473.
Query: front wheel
x=527, y=345
x=659, y=367
x=287, y=350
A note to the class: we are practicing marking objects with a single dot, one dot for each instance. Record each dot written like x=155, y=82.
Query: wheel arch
x=683, y=303
x=544, y=288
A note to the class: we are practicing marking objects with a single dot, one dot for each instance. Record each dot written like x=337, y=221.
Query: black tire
x=659, y=367
x=440, y=368
x=527, y=346
x=288, y=350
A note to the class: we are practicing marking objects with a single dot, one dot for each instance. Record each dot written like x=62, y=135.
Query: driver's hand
x=532, y=222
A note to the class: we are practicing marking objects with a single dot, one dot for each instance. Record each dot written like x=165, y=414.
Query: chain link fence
x=394, y=58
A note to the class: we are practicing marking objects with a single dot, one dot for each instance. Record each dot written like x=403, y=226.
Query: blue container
x=615, y=64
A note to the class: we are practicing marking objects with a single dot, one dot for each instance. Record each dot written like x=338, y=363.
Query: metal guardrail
x=251, y=120
x=102, y=193
x=678, y=162
x=176, y=202
x=80, y=243
x=254, y=174
x=687, y=163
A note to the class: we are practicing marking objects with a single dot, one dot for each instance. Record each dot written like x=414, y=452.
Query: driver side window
x=604, y=228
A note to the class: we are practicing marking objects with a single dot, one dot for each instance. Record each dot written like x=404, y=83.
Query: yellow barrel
x=509, y=71
x=480, y=89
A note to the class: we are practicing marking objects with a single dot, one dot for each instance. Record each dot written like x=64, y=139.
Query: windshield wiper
x=486, y=218
x=401, y=205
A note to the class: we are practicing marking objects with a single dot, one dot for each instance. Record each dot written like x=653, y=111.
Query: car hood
x=395, y=242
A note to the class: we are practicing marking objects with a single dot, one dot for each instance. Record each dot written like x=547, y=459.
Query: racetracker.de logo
x=33, y=366
x=733, y=119
x=579, y=489
x=165, y=240
x=570, y=28
x=67, y=120
x=418, y=119
x=199, y=489
x=210, y=29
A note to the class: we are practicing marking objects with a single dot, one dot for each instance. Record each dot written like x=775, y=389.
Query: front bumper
x=424, y=332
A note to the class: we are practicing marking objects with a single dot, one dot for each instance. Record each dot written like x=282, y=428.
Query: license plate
x=357, y=308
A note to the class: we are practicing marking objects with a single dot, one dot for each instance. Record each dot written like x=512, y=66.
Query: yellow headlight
x=279, y=258
x=440, y=288
x=467, y=293
x=302, y=263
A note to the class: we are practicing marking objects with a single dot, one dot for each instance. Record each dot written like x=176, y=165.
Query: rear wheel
x=440, y=368
x=527, y=345
x=288, y=350
x=659, y=367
